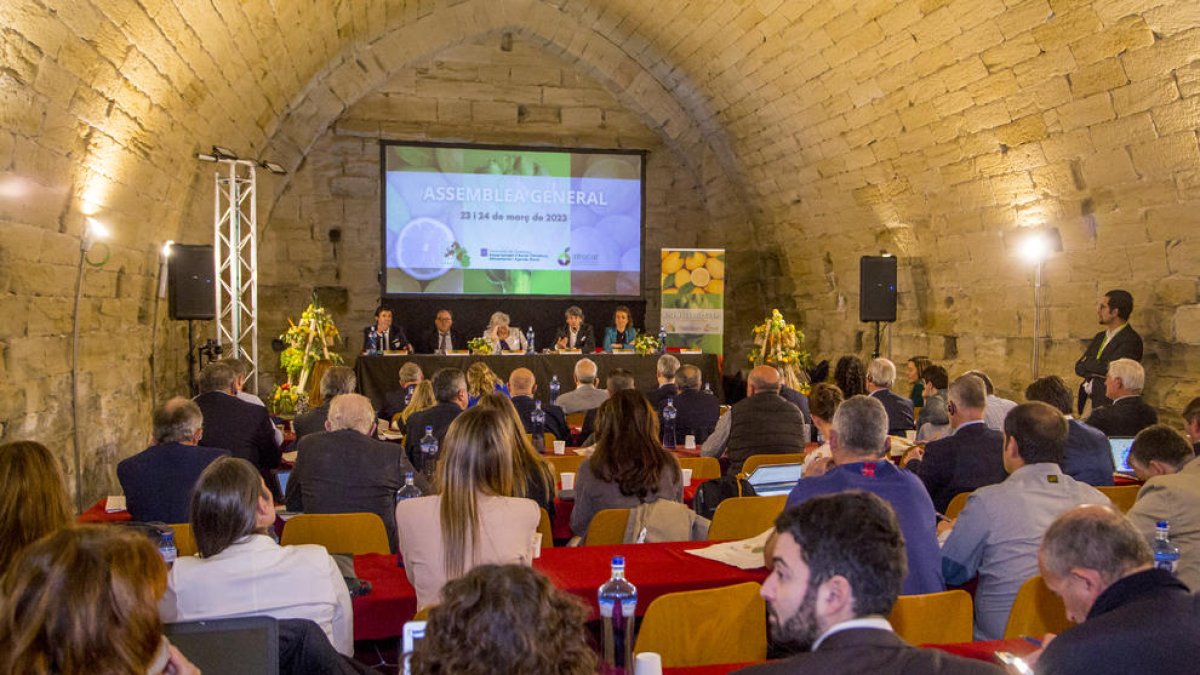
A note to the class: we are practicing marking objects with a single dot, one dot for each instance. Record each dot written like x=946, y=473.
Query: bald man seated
x=585, y=396
x=760, y=424
x=522, y=386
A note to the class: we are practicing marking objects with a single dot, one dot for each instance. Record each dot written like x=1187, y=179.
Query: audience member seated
x=346, y=470
x=522, y=385
x=967, y=459
x=881, y=375
x=36, y=501
x=585, y=396
x=1191, y=423
x=1165, y=460
x=858, y=441
x=668, y=364
x=422, y=399
x=388, y=337
x=914, y=372
x=396, y=400
x=242, y=571
x=450, y=390
x=336, y=381
x=474, y=520
x=304, y=650
x=996, y=536
x=244, y=429
x=997, y=408
x=158, y=481
x=442, y=337
x=933, y=393
x=824, y=400
x=481, y=381
x=502, y=336
x=696, y=412
x=1132, y=618
x=621, y=334
x=84, y=600
x=1088, y=456
x=1128, y=413
x=629, y=466
x=575, y=334
x=505, y=620
x=619, y=379
x=838, y=566
x=532, y=476
x=850, y=375
x=762, y=423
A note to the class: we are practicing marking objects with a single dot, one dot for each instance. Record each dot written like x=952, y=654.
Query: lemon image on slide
x=424, y=248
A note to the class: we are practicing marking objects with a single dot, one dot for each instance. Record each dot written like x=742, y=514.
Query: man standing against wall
x=1118, y=340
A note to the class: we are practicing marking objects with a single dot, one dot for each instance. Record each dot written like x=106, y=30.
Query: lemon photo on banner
x=693, y=298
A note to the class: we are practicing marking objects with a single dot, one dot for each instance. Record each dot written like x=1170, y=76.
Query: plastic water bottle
x=429, y=450
x=708, y=389
x=410, y=488
x=408, y=394
x=1166, y=554
x=538, y=417
x=662, y=340
x=555, y=387
x=668, y=423
x=618, y=601
x=166, y=546
x=373, y=343
x=529, y=348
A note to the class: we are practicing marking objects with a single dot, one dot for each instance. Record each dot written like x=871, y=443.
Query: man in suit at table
x=442, y=337
x=838, y=566
x=1118, y=340
x=158, y=481
x=968, y=458
x=450, y=391
x=696, y=413
x=388, y=336
x=1088, y=455
x=665, y=374
x=575, y=334
x=396, y=400
x=1164, y=459
x=242, y=428
x=336, y=381
x=881, y=374
x=521, y=386
x=1128, y=413
x=585, y=396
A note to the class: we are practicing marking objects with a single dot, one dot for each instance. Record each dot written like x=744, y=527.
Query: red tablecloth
x=561, y=527
x=986, y=650
x=97, y=514
x=392, y=601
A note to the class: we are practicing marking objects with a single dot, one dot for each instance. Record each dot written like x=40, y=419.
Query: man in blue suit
x=1088, y=455
x=158, y=481
x=881, y=374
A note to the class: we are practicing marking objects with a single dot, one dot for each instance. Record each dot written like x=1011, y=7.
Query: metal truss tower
x=235, y=261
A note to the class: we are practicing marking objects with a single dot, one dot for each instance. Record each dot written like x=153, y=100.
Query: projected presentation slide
x=492, y=221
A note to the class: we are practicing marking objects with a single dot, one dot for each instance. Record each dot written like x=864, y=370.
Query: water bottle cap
x=618, y=561
x=408, y=475
x=1162, y=523
x=429, y=429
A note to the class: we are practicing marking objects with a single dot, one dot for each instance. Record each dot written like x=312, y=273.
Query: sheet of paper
x=114, y=503
x=745, y=554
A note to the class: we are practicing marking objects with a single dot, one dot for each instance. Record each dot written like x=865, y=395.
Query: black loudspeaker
x=877, y=288
x=191, y=293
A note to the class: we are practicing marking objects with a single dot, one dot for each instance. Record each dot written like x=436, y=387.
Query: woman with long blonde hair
x=35, y=501
x=482, y=381
x=422, y=399
x=479, y=521
x=532, y=476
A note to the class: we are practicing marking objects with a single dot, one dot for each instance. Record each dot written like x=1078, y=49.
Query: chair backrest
x=744, y=517
x=1036, y=611
x=702, y=468
x=243, y=646
x=754, y=461
x=1122, y=496
x=723, y=409
x=698, y=628
x=576, y=419
x=547, y=441
x=561, y=463
x=956, y=505
x=185, y=541
x=934, y=618
x=545, y=529
x=354, y=533
x=607, y=527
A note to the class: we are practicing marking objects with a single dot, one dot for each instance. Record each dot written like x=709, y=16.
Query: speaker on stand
x=191, y=293
x=877, y=292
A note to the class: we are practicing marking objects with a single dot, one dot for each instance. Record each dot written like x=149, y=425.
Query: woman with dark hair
x=505, y=620
x=35, y=497
x=850, y=375
x=915, y=373
x=629, y=466
x=84, y=600
x=532, y=476
x=242, y=571
x=473, y=520
x=621, y=334
x=823, y=402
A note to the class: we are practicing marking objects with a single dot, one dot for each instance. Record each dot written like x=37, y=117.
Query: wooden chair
x=607, y=528
x=955, y=506
x=744, y=517
x=934, y=618
x=699, y=628
x=355, y=533
x=1036, y=611
x=185, y=541
x=576, y=419
x=422, y=614
x=545, y=529
x=702, y=468
x=1122, y=496
x=755, y=461
x=561, y=463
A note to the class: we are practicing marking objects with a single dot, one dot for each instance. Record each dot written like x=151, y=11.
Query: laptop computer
x=1120, y=447
x=244, y=646
x=283, y=477
x=775, y=479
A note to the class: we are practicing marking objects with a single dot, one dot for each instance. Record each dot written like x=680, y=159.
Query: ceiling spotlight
x=166, y=248
x=273, y=167
x=223, y=153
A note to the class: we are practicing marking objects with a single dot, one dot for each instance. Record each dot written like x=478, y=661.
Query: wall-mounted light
x=93, y=231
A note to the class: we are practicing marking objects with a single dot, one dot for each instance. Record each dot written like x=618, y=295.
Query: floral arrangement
x=779, y=343
x=479, y=346
x=646, y=343
x=287, y=400
x=308, y=342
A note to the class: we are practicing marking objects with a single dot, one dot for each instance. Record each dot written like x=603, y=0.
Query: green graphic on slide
x=517, y=282
x=470, y=160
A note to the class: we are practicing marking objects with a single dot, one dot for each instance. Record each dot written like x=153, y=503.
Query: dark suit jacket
x=797, y=399
x=585, y=341
x=899, y=411
x=556, y=421
x=158, y=481
x=394, y=402
x=439, y=417
x=396, y=338
x=348, y=472
x=1126, y=344
x=311, y=422
x=429, y=341
x=696, y=414
x=658, y=397
x=969, y=458
x=243, y=428
x=871, y=650
x=1088, y=456
x=1125, y=417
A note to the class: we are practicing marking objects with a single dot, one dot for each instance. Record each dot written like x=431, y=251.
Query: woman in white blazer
x=502, y=336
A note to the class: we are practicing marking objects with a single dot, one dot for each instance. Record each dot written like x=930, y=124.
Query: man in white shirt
x=585, y=396
x=997, y=407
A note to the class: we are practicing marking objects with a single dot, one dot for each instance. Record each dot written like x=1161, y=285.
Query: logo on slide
x=564, y=258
